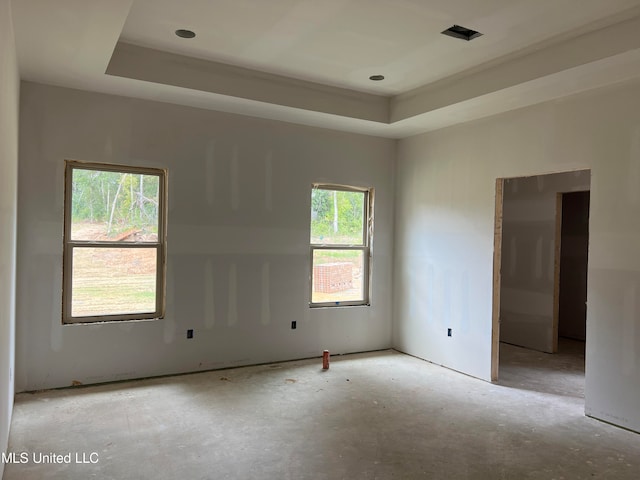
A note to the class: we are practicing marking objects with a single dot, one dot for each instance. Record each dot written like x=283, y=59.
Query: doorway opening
x=540, y=272
x=574, y=252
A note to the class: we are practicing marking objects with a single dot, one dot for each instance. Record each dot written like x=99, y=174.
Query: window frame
x=69, y=244
x=366, y=247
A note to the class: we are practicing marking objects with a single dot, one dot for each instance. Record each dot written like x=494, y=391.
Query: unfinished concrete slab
x=378, y=415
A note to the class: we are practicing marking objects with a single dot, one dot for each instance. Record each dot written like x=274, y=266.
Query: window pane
x=337, y=276
x=112, y=281
x=114, y=206
x=337, y=217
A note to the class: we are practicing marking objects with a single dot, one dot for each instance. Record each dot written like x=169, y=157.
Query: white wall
x=9, y=101
x=528, y=254
x=238, y=236
x=445, y=197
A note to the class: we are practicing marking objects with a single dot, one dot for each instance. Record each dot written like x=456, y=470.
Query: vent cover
x=182, y=33
x=456, y=31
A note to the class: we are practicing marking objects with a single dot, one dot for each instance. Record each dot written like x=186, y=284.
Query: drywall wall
x=445, y=200
x=9, y=101
x=528, y=256
x=238, y=238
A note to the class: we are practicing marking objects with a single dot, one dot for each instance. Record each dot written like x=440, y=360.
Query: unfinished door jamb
x=497, y=264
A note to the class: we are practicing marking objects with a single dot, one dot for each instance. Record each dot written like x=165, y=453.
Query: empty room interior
x=291, y=239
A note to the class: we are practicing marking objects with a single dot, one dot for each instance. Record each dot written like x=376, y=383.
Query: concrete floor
x=380, y=415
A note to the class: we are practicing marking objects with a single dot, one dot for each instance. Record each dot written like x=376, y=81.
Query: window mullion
x=337, y=247
x=77, y=244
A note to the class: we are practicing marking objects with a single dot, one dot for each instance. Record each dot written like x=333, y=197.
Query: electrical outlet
x=294, y=325
x=448, y=332
x=190, y=333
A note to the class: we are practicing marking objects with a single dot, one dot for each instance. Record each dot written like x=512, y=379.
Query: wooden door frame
x=497, y=278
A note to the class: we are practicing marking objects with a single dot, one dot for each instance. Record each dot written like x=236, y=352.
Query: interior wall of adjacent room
x=528, y=256
x=445, y=200
x=9, y=102
x=238, y=238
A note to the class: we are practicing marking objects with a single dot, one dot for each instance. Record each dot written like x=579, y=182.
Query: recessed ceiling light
x=376, y=78
x=456, y=31
x=185, y=33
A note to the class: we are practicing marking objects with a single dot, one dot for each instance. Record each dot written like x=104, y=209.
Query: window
x=114, y=243
x=341, y=232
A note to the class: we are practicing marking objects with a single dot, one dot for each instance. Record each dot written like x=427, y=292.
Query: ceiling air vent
x=456, y=31
x=183, y=33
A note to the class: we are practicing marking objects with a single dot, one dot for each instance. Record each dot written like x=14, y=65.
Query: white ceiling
x=308, y=61
x=343, y=42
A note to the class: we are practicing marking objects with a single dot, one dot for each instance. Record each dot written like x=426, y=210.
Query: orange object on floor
x=325, y=360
